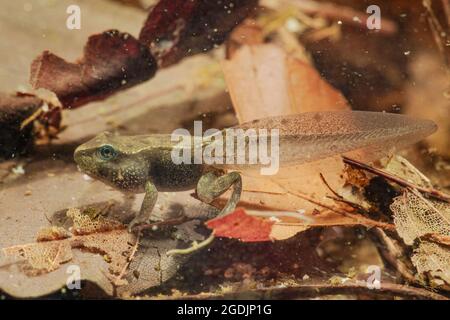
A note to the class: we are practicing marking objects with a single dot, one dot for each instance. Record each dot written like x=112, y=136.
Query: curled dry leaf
x=112, y=61
x=177, y=28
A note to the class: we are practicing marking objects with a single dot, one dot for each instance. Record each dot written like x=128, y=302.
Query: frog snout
x=81, y=159
x=77, y=155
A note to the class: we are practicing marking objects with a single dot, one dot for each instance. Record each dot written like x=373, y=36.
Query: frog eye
x=107, y=152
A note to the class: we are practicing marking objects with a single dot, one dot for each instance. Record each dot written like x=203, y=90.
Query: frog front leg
x=212, y=185
x=151, y=195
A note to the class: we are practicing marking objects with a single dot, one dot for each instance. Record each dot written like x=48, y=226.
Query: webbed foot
x=212, y=185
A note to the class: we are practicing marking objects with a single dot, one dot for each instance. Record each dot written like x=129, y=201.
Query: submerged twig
x=329, y=187
x=358, y=218
x=392, y=255
x=437, y=238
x=402, y=182
x=321, y=289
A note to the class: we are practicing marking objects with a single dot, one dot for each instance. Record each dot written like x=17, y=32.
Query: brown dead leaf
x=114, y=245
x=265, y=81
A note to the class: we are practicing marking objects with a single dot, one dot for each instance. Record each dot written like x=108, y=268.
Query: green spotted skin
x=137, y=159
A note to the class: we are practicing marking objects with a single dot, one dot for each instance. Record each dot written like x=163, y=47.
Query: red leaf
x=240, y=225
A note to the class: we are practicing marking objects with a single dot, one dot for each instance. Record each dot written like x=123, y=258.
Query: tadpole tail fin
x=312, y=136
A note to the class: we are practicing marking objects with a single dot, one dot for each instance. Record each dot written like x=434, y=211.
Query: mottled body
x=144, y=164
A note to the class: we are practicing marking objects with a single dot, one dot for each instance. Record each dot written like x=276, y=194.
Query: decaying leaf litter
x=311, y=216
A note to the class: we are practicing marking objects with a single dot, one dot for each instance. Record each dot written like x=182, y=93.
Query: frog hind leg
x=151, y=195
x=212, y=185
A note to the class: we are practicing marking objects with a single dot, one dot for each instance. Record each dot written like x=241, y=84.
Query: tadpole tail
x=311, y=136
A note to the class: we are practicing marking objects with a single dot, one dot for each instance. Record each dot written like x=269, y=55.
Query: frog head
x=115, y=160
